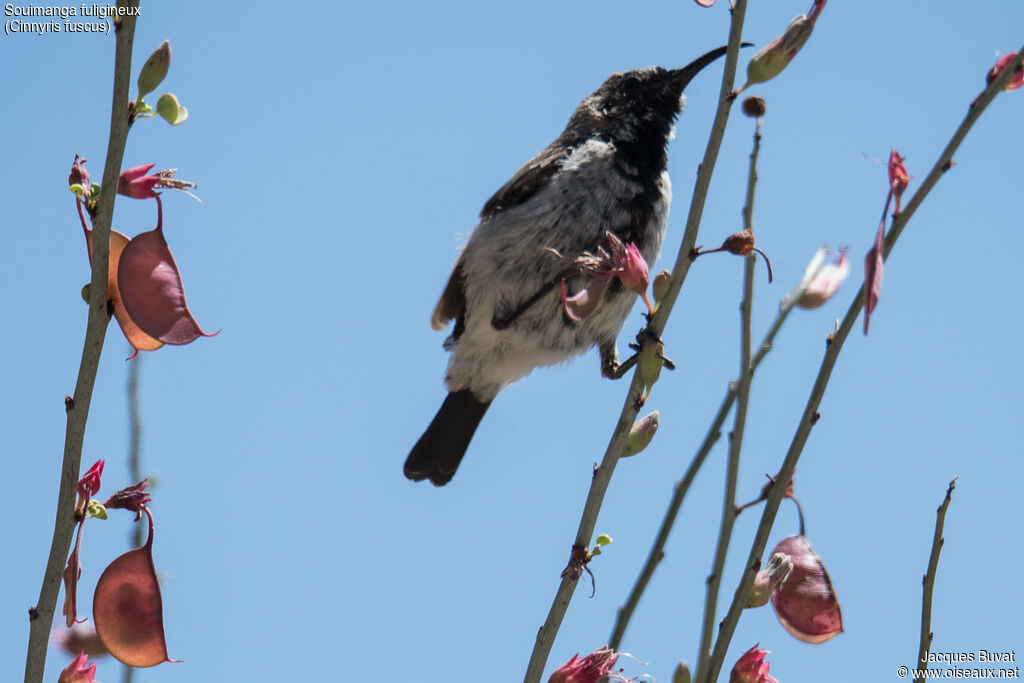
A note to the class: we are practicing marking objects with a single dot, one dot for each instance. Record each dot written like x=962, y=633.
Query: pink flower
x=88, y=485
x=751, y=668
x=90, y=481
x=138, y=184
x=625, y=262
x=135, y=183
x=80, y=175
x=131, y=498
x=78, y=672
x=589, y=669
x=822, y=280
x=898, y=177
x=1018, y=78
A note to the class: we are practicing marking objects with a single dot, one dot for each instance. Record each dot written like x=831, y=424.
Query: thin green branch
x=704, y=172
x=602, y=477
x=929, y=585
x=681, y=487
x=714, y=580
x=810, y=414
x=41, y=615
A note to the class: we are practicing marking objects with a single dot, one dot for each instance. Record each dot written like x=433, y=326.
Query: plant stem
x=929, y=585
x=41, y=615
x=714, y=580
x=681, y=487
x=810, y=414
x=602, y=477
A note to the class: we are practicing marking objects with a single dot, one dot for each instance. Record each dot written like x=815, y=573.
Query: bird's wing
x=452, y=305
x=523, y=185
x=528, y=179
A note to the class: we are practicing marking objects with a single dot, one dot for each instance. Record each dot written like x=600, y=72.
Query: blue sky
x=343, y=151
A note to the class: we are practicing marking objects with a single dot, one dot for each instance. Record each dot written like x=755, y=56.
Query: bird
x=604, y=178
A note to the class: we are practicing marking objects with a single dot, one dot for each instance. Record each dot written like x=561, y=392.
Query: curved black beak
x=683, y=76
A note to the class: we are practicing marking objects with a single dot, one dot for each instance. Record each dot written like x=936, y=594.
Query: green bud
x=651, y=362
x=603, y=539
x=86, y=291
x=661, y=282
x=96, y=509
x=681, y=674
x=169, y=108
x=773, y=57
x=155, y=69
x=641, y=433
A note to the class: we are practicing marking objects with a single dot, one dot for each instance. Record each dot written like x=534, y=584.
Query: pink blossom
x=898, y=176
x=589, y=669
x=90, y=481
x=824, y=280
x=136, y=183
x=1018, y=78
x=78, y=672
x=132, y=498
x=751, y=668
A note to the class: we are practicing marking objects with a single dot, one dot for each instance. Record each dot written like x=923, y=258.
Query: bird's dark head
x=633, y=104
x=636, y=107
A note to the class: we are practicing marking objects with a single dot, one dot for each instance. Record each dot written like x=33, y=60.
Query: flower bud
x=155, y=69
x=78, y=672
x=80, y=175
x=641, y=433
x=1018, y=78
x=681, y=674
x=652, y=358
x=776, y=55
x=589, y=669
x=751, y=668
x=89, y=484
x=661, y=283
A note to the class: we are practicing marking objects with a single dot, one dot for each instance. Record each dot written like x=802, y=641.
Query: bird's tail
x=439, y=451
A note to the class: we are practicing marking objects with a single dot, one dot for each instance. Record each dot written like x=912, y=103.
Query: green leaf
x=603, y=539
x=169, y=108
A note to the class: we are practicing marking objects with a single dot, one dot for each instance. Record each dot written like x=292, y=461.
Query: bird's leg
x=610, y=366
